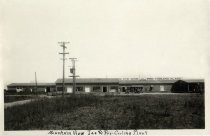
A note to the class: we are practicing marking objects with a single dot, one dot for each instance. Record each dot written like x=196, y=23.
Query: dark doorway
x=123, y=89
x=48, y=89
x=104, y=89
x=150, y=88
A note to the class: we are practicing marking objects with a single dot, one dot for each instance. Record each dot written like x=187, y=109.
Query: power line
x=63, y=45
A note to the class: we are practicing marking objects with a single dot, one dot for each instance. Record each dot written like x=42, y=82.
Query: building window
x=59, y=88
x=113, y=89
x=79, y=89
x=96, y=88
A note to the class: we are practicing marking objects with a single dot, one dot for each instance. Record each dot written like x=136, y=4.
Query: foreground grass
x=10, y=98
x=94, y=112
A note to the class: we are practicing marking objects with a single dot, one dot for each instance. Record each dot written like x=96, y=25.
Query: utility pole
x=73, y=71
x=63, y=45
x=36, y=82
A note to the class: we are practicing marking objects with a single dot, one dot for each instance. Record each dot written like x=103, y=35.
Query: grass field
x=172, y=111
x=11, y=98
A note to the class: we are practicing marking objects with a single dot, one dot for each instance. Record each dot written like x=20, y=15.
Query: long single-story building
x=128, y=85
x=114, y=85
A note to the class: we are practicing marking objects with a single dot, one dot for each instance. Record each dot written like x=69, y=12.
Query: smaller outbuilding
x=30, y=87
x=188, y=86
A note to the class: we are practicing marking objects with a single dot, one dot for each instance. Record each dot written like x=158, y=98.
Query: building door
x=69, y=89
x=123, y=89
x=104, y=89
x=162, y=88
x=48, y=89
x=87, y=89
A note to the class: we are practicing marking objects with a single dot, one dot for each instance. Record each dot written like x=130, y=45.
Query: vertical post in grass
x=73, y=71
x=63, y=45
x=36, y=82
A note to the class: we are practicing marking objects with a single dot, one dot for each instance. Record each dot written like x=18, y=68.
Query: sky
x=110, y=38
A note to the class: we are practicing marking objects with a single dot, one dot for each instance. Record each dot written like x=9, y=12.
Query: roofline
x=31, y=84
x=119, y=81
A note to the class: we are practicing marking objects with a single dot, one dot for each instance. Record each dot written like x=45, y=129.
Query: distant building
x=114, y=85
x=127, y=85
x=30, y=87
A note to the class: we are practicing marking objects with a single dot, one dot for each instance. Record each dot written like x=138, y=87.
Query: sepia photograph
x=104, y=67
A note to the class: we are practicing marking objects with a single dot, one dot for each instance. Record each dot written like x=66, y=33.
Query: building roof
x=127, y=81
x=146, y=81
x=194, y=80
x=31, y=84
x=89, y=80
x=159, y=81
x=108, y=80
